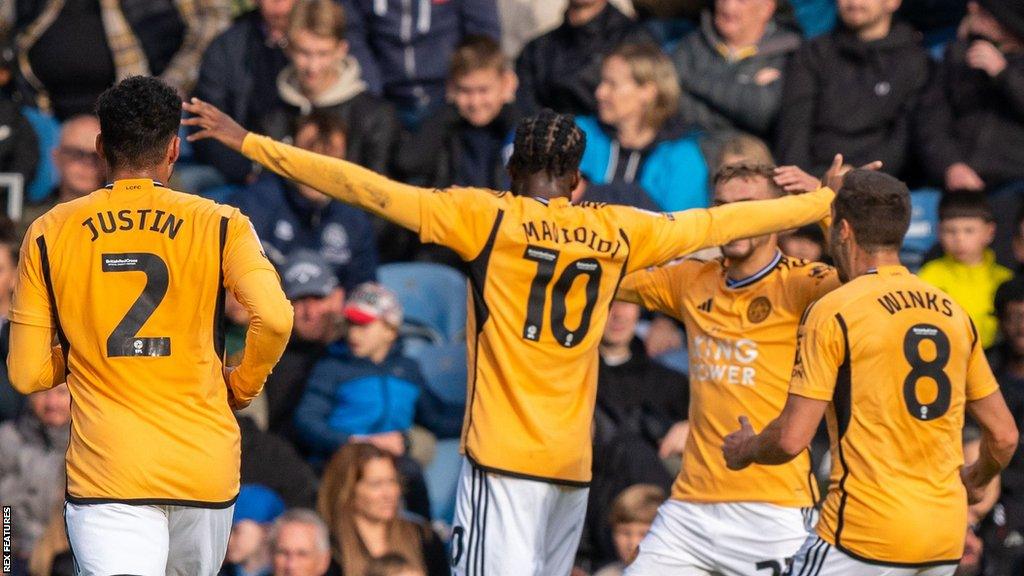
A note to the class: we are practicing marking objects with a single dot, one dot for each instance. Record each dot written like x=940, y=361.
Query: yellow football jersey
x=898, y=360
x=542, y=276
x=132, y=279
x=742, y=341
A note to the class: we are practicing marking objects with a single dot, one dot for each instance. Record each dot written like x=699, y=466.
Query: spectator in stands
x=359, y=498
x=300, y=544
x=19, y=147
x=365, y=391
x=10, y=400
x=32, y=465
x=467, y=143
x=75, y=49
x=561, y=69
x=318, y=301
x=270, y=461
x=731, y=68
x=1003, y=534
x=248, y=553
x=405, y=47
x=239, y=75
x=806, y=243
x=631, y=517
x=289, y=216
x=743, y=148
x=967, y=271
x=78, y=165
x=853, y=91
x=637, y=136
x=323, y=77
x=640, y=418
x=393, y=565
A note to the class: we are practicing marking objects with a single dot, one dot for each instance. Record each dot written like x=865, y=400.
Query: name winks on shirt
x=898, y=300
x=147, y=219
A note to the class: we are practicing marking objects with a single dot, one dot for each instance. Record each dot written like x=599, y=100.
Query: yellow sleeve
x=255, y=284
x=459, y=218
x=820, y=351
x=658, y=289
x=655, y=239
x=32, y=363
x=980, y=380
x=31, y=304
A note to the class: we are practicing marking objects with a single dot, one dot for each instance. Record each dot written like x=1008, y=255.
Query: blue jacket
x=346, y=395
x=286, y=221
x=672, y=170
x=411, y=63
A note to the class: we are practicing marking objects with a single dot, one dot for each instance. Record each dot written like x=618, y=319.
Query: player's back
x=136, y=277
x=909, y=361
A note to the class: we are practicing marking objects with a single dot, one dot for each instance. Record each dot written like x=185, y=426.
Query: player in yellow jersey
x=542, y=274
x=894, y=363
x=131, y=280
x=741, y=313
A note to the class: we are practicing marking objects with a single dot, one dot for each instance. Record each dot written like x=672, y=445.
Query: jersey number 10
x=546, y=258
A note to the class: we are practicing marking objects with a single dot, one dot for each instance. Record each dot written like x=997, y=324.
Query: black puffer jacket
x=853, y=97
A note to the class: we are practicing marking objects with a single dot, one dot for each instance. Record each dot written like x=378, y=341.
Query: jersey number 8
x=932, y=369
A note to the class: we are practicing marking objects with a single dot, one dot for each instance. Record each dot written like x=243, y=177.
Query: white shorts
x=141, y=540
x=506, y=526
x=727, y=539
x=819, y=558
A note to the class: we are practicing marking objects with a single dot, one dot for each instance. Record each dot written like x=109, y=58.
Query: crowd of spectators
x=349, y=459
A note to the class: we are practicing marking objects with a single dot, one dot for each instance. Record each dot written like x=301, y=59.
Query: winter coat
x=19, y=147
x=720, y=92
x=373, y=127
x=967, y=116
x=269, y=460
x=672, y=169
x=561, y=69
x=286, y=221
x=852, y=97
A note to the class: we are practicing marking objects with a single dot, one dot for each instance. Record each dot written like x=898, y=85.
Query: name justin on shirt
x=142, y=219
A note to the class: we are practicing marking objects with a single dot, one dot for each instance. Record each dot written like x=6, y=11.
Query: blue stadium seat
x=47, y=130
x=924, y=226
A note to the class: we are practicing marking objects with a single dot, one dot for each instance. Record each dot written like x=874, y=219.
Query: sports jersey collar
x=129, y=184
x=889, y=271
x=734, y=284
x=560, y=201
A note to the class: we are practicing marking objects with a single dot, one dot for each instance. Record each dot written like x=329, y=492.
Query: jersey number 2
x=123, y=341
x=932, y=369
x=546, y=259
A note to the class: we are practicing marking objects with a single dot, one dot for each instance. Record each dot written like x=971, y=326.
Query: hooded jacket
x=672, y=169
x=852, y=97
x=967, y=116
x=725, y=92
x=373, y=128
x=285, y=221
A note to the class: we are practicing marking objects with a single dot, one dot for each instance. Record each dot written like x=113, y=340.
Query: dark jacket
x=411, y=63
x=373, y=127
x=439, y=155
x=271, y=461
x=19, y=147
x=720, y=93
x=287, y=382
x=239, y=76
x=967, y=116
x=561, y=69
x=346, y=395
x=852, y=97
x=285, y=221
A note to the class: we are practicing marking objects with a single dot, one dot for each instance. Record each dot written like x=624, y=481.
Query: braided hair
x=547, y=142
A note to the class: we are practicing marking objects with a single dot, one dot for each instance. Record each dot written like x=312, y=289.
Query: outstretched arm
x=781, y=440
x=344, y=181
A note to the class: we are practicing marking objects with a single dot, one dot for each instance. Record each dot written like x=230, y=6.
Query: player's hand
x=975, y=491
x=961, y=177
x=214, y=124
x=674, y=441
x=737, y=446
x=233, y=402
x=794, y=180
x=983, y=55
x=837, y=172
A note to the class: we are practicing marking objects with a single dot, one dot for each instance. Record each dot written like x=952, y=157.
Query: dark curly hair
x=877, y=206
x=547, y=142
x=138, y=117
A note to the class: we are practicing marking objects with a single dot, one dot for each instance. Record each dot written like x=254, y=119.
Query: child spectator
x=631, y=517
x=393, y=565
x=967, y=271
x=365, y=391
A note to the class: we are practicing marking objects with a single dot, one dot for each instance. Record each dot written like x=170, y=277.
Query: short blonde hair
x=649, y=65
x=745, y=149
x=638, y=503
x=323, y=18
